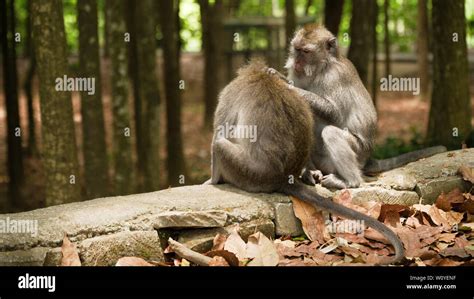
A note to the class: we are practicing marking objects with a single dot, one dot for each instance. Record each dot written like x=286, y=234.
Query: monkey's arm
x=321, y=106
x=215, y=172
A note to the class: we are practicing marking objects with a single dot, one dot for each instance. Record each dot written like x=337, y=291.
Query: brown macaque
x=272, y=159
x=345, y=117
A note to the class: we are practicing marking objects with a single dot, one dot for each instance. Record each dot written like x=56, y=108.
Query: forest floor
x=401, y=115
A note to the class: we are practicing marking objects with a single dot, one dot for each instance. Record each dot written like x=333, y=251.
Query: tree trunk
x=290, y=21
x=14, y=150
x=386, y=38
x=450, y=113
x=307, y=6
x=137, y=101
x=93, y=131
x=375, y=83
x=359, y=50
x=106, y=31
x=333, y=15
x=214, y=59
x=124, y=179
x=59, y=153
x=171, y=71
x=423, y=52
x=28, y=85
x=145, y=30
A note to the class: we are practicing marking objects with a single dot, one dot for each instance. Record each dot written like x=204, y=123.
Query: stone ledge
x=105, y=228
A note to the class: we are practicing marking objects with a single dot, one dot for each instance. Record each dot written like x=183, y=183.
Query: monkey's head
x=312, y=48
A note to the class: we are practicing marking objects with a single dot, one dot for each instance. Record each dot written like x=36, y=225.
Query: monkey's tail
x=376, y=166
x=303, y=192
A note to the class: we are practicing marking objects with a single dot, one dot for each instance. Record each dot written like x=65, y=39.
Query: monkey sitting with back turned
x=345, y=116
x=273, y=160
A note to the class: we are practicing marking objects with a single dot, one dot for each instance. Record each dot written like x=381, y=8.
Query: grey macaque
x=345, y=117
x=273, y=161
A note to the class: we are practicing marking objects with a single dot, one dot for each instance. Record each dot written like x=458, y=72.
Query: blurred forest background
x=159, y=66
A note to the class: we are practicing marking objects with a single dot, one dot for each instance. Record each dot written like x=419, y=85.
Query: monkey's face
x=311, y=49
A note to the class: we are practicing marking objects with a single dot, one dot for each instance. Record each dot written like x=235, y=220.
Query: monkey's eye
x=306, y=51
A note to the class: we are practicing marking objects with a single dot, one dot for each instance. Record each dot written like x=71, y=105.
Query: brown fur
x=256, y=98
x=284, y=139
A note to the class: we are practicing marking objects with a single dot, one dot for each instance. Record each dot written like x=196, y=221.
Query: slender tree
x=138, y=108
x=175, y=161
x=211, y=20
x=290, y=21
x=450, y=113
x=307, y=6
x=145, y=31
x=14, y=150
x=422, y=50
x=59, y=153
x=333, y=15
x=106, y=31
x=359, y=50
x=28, y=84
x=123, y=179
x=386, y=6
x=375, y=14
x=94, y=149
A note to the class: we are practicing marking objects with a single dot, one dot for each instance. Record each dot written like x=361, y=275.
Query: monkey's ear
x=332, y=45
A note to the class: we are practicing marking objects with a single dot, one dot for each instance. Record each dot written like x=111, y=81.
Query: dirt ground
x=399, y=114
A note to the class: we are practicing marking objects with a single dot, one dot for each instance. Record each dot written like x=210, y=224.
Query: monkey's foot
x=333, y=182
x=312, y=177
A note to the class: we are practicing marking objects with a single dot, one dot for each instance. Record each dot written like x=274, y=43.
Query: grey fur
x=345, y=117
x=274, y=162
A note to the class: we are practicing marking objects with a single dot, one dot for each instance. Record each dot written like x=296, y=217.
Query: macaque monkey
x=345, y=117
x=273, y=161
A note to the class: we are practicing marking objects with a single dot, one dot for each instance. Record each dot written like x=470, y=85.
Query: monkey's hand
x=274, y=72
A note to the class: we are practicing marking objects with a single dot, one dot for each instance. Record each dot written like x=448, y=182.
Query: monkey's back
x=282, y=118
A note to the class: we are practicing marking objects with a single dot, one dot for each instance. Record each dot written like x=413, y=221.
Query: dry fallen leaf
x=412, y=221
x=447, y=237
x=297, y=262
x=372, y=234
x=70, y=255
x=312, y=220
x=389, y=209
x=467, y=173
x=410, y=240
x=373, y=208
x=132, y=261
x=456, y=252
x=461, y=242
x=229, y=257
x=261, y=250
x=445, y=201
x=236, y=245
x=219, y=242
x=218, y=261
x=345, y=199
x=438, y=216
x=467, y=205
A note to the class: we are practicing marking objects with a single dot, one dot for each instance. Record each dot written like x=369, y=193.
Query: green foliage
x=255, y=8
x=21, y=16
x=70, y=24
x=402, y=25
x=470, y=22
x=393, y=146
x=303, y=237
x=190, y=25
